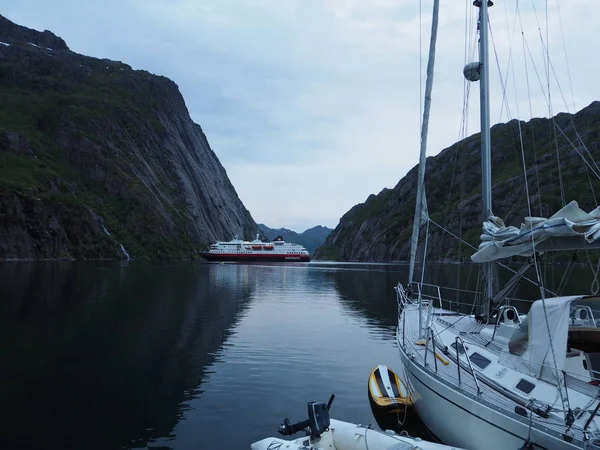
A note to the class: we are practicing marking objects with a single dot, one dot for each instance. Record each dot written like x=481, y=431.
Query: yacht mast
x=421, y=213
x=486, y=163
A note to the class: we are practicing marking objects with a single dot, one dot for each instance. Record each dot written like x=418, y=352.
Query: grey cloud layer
x=311, y=106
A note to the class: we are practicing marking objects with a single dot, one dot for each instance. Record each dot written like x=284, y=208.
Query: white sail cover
x=529, y=349
x=571, y=223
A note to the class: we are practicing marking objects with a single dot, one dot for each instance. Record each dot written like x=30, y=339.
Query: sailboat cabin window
x=525, y=386
x=479, y=360
x=461, y=348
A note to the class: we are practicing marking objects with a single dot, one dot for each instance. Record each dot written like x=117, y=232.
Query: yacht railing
x=405, y=293
x=402, y=299
x=429, y=297
x=582, y=315
x=462, y=345
x=401, y=296
x=503, y=314
x=587, y=423
x=435, y=363
x=426, y=293
x=404, y=330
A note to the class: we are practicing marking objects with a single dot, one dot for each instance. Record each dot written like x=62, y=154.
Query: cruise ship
x=256, y=250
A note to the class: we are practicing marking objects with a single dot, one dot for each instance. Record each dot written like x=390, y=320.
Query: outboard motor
x=317, y=422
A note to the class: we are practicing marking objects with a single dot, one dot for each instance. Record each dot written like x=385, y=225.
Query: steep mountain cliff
x=310, y=239
x=380, y=229
x=98, y=160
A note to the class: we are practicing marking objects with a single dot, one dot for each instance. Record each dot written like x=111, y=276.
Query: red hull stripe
x=253, y=257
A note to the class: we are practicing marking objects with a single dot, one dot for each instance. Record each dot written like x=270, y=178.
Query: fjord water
x=187, y=355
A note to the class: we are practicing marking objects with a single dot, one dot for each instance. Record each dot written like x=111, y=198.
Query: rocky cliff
x=380, y=229
x=99, y=161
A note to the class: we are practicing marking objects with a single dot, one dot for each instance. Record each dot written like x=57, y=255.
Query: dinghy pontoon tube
x=325, y=433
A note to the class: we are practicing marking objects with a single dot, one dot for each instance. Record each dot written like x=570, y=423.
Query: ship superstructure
x=257, y=250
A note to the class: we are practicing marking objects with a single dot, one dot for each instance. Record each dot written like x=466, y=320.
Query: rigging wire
x=556, y=79
x=567, y=273
x=548, y=62
x=597, y=171
x=523, y=161
x=579, y=138
x=582, y=150
x=460, y=145
x=504, y=83
x=425, y=253
x=565, y=401
x=562, y=32
x=587, y=172
x=510, y=59
x=537, y=175
x=470, y=46
x=537, y=73
x=546, y=51
x=504, y=266
x=420, y=64
x=504, y=80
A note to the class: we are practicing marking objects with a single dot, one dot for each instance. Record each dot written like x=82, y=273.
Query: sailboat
x=509, y=380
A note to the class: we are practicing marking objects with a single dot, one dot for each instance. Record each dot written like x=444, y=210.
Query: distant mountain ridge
x=310, y=239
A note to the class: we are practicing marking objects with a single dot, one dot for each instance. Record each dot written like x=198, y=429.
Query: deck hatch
x=525, y=386
x=479, y=360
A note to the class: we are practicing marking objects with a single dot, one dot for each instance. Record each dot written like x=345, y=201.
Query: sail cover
x=570, y=228
x=529, y=350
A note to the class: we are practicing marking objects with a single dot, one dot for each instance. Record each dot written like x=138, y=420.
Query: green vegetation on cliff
x=380, y=228
x=96, y=158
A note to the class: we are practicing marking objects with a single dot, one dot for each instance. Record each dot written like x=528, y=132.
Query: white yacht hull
x=457, y=419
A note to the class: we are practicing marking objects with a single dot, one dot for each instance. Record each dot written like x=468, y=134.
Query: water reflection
x=99, y=356
x=368, y=291
x=104, y=355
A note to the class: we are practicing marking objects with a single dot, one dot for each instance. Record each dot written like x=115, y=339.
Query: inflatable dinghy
x=325, y=433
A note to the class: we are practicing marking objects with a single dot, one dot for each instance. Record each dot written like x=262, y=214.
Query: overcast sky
x=313, y=105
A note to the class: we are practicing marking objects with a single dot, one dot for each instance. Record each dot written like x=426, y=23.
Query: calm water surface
x=188, y=355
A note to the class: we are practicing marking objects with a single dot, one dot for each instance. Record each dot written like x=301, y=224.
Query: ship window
x=479, y=360
x=525, y=386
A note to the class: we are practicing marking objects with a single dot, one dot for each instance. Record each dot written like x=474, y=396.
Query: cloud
x=312, y=106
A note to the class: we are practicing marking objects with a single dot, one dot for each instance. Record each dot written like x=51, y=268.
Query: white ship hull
x=258, y=257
